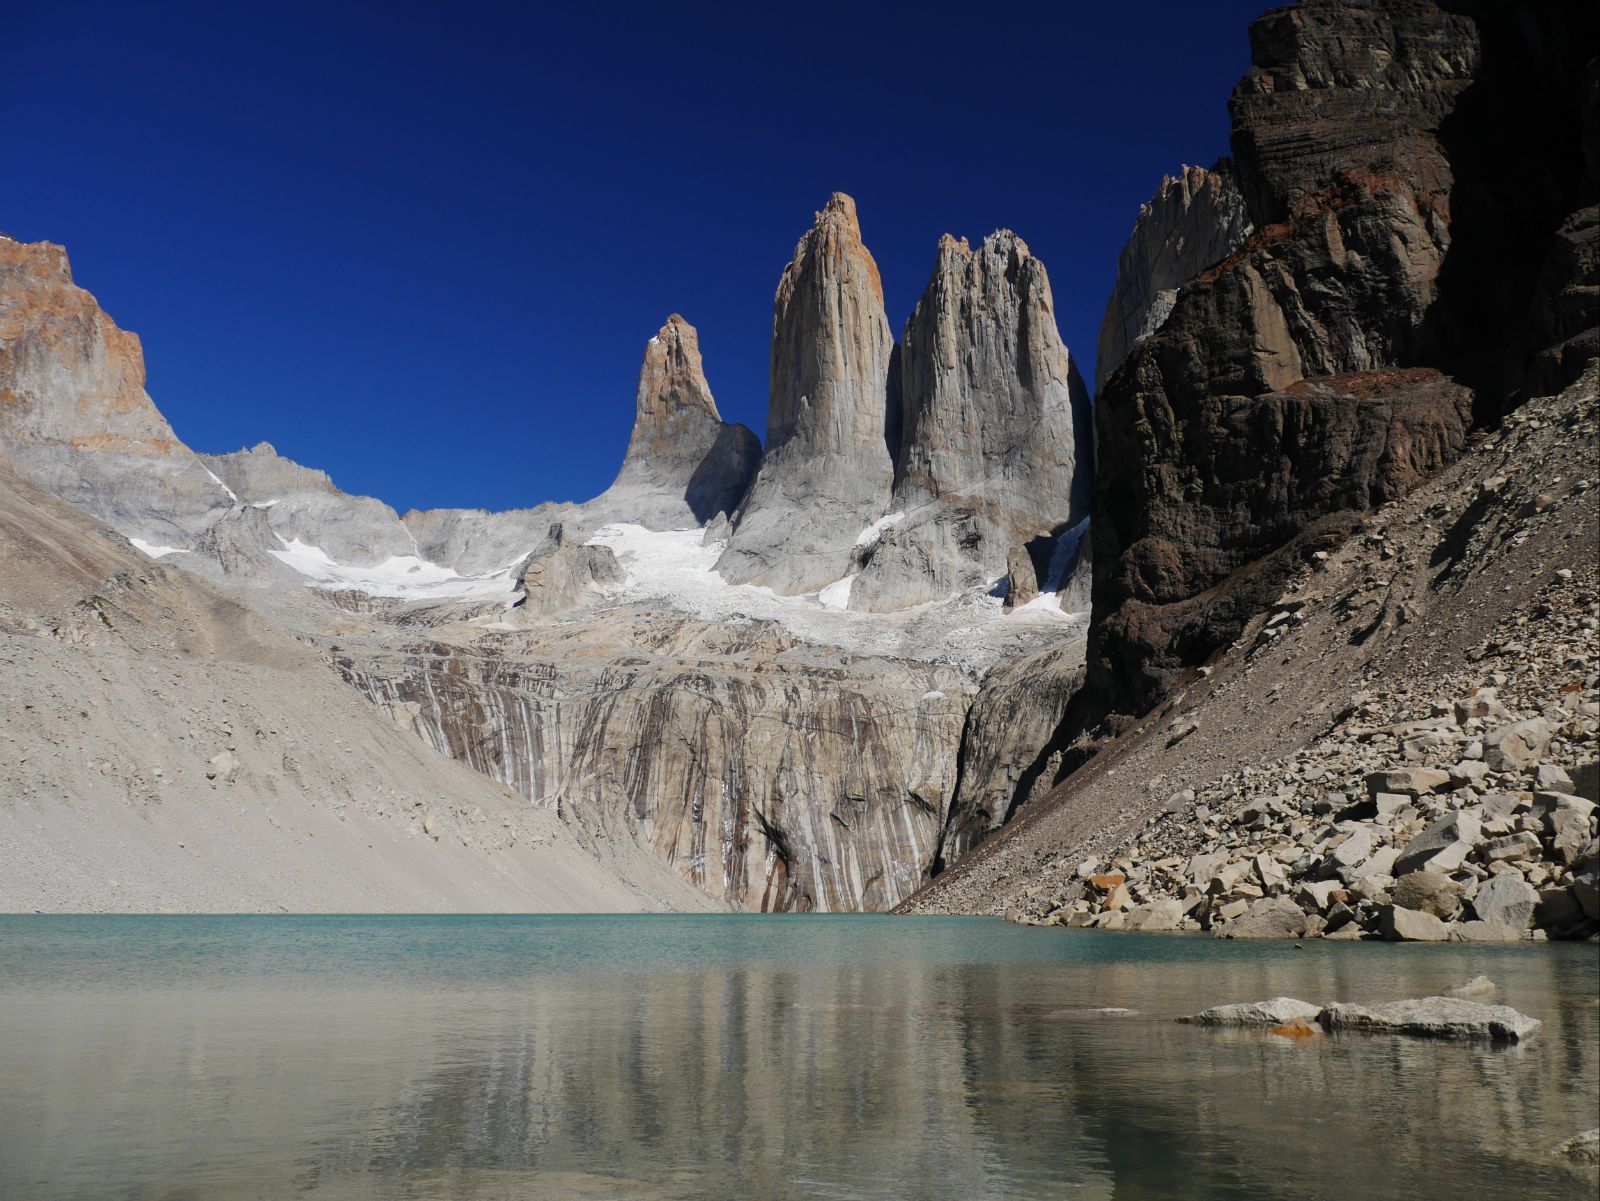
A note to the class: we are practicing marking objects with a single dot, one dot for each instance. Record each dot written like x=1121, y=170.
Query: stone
x=1478, y=986
x=1278, y=1011
x=1356, y=848
x=1559, y=909
x=1270, y=872
x=222, y=766
x=1518, y=745
x=1398, y=924
x=1506, y=900
x=1409, y=781
x=1315, y=896
x=1584, y=1148
x=1297, y=1029
x=1428, y=892
x=1513, y=847
x=1432, y=1017
x=1107, y=881
x=684, y=464
x=1443, y=846
x=1272, y=917
x=1549, y=777
x=1161, y=914
x=828, y=470
x=995, y=447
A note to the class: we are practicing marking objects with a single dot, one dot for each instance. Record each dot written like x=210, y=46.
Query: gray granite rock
x=828, y=469
x=995, y=447
x=1432, y=1017
x=1278, y=1011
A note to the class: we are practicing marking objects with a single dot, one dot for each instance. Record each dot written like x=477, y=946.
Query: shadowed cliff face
x=1307, y=377
x=1194, y=221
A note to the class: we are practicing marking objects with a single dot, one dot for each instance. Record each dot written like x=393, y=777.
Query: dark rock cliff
x=1381, y=306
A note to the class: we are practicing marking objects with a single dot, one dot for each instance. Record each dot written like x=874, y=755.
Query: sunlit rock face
x=684, y=466
x=828, y=470
x=74, y=417
x=766, y=771
x=1194, y=221
x=995, y=452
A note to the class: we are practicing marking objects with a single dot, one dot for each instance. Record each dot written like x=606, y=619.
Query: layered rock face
x=685, y=466
x=74, y=417
x=1194, y=221
x=828, y=460
x=995, y=451
x=1336, y=139
x=765, y=771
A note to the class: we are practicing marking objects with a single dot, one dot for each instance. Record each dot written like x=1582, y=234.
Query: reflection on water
x=755, y=1057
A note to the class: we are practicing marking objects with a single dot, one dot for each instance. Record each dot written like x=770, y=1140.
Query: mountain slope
x=1455, y=587
x=163, y=748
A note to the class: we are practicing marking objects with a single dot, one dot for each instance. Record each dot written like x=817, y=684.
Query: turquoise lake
x=215, y=1059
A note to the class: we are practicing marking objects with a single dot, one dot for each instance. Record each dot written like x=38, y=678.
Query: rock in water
x=1279, y=1011
x=685, y=465
x=1433, y=1017
x=828, y=470
x=995, y=446
x=1192, y=222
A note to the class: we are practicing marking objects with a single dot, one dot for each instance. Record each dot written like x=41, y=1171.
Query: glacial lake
x=648, y=1058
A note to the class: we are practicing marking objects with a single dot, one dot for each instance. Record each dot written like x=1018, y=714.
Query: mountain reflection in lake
x=757, y=1057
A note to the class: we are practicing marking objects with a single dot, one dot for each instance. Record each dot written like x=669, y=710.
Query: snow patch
x=672, y=569
x=1062, y=558
x=156, y=552
x=880, y=527
x=404, y=576
x=837, y=594
x=219, y=483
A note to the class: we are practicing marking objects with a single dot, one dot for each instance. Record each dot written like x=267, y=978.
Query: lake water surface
x=649, y=1058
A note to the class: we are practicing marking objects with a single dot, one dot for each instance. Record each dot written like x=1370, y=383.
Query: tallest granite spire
x=828, y=456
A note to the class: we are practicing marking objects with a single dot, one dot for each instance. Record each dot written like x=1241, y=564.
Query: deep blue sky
x=422, y=246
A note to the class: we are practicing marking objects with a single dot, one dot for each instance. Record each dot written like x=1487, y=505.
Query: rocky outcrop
x=995, y=450
x=1194, y=221
x=1336, y=137
x=828, y=469
x=766, y=772
x=1385, y=244
x=685, y=466
x=1006, y=744
x=563, y=574
x=74, y=416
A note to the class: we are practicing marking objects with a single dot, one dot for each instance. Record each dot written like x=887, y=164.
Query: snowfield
x=403, y=576
x=673, y=569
